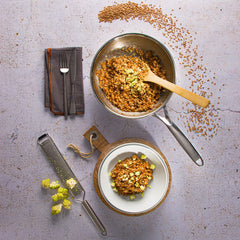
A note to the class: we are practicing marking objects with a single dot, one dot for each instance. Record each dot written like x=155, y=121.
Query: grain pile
x=122, y=80
x=203, y=122
x=132, y=176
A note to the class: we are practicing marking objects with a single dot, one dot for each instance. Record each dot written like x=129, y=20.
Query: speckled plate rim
x=140, y=205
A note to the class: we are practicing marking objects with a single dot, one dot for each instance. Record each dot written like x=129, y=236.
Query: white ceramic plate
x=152, y=197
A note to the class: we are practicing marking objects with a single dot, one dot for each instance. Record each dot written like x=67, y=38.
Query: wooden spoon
x=193, y=97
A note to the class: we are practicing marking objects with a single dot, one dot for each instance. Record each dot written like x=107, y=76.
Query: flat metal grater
x=64, y=172
x=59, y=164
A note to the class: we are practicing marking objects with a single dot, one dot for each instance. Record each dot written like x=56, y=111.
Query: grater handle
x=96, y=221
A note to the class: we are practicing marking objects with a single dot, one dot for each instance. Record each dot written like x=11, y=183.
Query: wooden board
x=104, y=147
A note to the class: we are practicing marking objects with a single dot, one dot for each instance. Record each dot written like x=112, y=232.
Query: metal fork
x=64, y=69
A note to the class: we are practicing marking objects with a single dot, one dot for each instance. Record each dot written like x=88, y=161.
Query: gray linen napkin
x=54, y=81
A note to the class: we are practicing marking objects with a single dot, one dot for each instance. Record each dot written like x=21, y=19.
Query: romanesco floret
x=64, y=191
x=71, y=183
x=61, y=195
x=54, y=185
x=46, y=183
x=152, y=166
x=57, y=197
x=56, y=209
x=66, y=204
x=132, y=197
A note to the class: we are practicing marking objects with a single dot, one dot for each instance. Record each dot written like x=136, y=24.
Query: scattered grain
x=179, y=38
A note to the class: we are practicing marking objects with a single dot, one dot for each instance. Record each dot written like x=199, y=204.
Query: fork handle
x=65, y=96
x=72, y=110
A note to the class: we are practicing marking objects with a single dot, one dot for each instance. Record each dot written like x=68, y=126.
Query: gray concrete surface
x=203, y=202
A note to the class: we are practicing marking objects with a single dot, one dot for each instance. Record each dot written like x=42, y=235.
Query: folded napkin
x=54, y=81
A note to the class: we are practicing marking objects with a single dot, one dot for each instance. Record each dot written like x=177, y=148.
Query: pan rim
x=125, y=114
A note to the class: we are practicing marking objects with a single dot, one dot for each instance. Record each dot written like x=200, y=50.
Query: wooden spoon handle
x=193, y=97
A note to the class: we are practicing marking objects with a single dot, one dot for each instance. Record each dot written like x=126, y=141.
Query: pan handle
x=181, y=138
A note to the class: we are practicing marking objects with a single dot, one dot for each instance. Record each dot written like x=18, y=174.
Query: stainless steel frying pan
x=113, y=48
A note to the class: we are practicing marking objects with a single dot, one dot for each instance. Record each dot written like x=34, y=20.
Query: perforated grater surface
x=64, y=172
